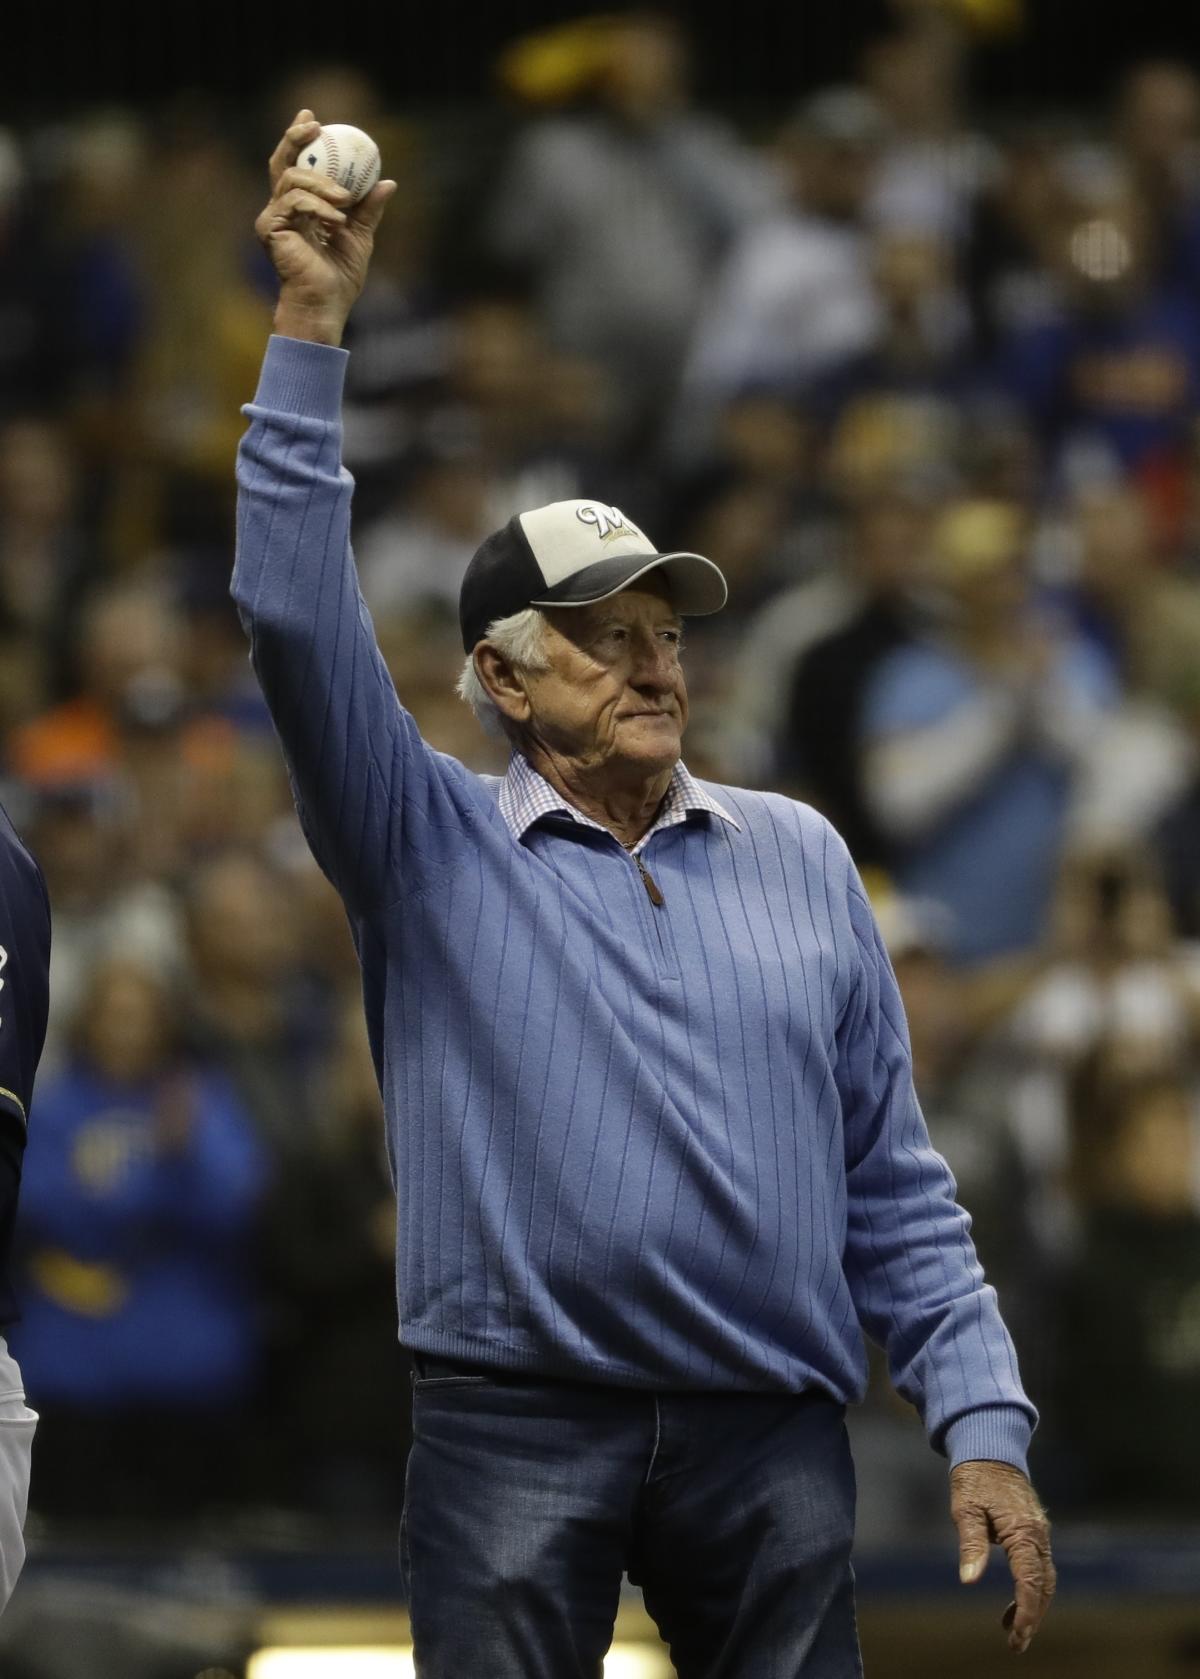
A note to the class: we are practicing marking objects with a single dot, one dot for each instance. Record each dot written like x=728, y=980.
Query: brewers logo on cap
x=548, y=557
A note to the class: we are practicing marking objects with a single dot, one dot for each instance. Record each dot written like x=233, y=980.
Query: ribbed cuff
x=302, y=378
x=999, y=1433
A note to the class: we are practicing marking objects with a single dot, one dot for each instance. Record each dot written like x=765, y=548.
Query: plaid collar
x=525, y=797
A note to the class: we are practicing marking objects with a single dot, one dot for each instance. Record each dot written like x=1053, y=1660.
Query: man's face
x=614, y=693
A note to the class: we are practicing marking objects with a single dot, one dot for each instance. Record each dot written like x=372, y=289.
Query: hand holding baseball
x=319, y=239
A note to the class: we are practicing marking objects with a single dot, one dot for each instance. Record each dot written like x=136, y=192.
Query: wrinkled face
x=614, y=694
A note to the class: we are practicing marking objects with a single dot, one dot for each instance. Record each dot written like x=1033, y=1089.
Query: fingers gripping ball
x=346, y=155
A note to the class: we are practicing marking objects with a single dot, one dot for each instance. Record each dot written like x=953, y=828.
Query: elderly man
x=648, y=1092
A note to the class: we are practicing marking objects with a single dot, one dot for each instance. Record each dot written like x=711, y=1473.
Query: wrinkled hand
x=319, y=242
x=993, y=1503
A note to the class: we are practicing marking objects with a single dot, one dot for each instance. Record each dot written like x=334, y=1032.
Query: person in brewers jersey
x=646, y=1078
x=24, y=1002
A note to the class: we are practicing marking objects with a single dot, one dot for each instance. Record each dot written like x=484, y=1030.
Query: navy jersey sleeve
x=24, y=1003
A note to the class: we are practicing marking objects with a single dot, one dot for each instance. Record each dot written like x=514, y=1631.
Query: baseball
x=346, y=154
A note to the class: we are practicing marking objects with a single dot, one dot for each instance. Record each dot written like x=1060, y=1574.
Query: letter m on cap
x=607, y=520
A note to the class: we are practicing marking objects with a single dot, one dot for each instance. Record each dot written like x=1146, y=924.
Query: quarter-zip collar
x=525, y=797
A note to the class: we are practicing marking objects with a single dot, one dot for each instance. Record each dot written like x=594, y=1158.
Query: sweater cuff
x=998, y=1433
x=302, y=378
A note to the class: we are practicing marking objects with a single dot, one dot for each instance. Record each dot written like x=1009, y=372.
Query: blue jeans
x=526, y=1500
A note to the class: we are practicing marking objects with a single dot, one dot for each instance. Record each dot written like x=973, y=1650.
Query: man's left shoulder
x=794, y=824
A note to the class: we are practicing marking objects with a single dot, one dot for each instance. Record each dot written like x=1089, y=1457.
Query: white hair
x=521, y=639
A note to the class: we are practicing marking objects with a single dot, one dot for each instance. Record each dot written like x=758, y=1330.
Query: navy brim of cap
x=696, y=584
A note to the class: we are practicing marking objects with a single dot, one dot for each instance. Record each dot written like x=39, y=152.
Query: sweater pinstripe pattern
x=670, y=1146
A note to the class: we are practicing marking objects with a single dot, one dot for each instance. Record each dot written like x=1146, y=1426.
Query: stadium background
x=907, y=335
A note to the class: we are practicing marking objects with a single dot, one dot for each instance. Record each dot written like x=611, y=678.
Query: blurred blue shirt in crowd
x=136, y=1206
x=992, y=858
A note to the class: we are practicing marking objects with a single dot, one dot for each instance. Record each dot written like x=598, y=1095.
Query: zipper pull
x=648, y=881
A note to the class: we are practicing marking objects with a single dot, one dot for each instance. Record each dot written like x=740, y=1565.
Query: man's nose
x=654, y=664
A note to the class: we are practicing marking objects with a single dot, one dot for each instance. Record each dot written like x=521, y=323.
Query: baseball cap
x=571, y=553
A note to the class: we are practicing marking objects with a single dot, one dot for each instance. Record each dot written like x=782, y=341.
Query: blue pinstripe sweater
x=658, y=1146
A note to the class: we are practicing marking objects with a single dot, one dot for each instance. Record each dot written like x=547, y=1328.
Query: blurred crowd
x=925, y=381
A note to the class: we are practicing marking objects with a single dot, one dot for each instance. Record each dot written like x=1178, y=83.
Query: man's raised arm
x=350, y=746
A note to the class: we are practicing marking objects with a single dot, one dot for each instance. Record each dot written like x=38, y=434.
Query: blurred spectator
x=341, y=1375
x=760, y=501
x=1142, y=616
x=1113, y=978
x=139, y=1338
x=921, y=343
x=526, y=409
x=46, y=554
x=1176, y=838
x=214, y=668
x=127, y=662
x=416, y=554
x=618, y=208
x=971, y=739
x=1109, y=982
x=254, y=1011
x=200, y=352
x=34, y=367
x=498, y=437
x=101, y=287
x=1131, y=1311
x=808, y=659
x=338, y=91
x=79, y=833
x=1145, y=620
x=959, y=1076
x=423, y=651
x=1158, y=129
x=1114, y=372
x=132, y=727
x=795, y=295
x=1010, y=262
x=933, y=166
x=262, y=1011
x=751, y=522
x=885, y=436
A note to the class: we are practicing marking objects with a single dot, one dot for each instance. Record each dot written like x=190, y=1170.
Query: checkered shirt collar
x=525, y=797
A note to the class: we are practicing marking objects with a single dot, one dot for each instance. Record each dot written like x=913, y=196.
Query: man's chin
x=654, y=747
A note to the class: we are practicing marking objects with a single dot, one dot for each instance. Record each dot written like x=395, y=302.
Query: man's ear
x=503, y=681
